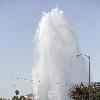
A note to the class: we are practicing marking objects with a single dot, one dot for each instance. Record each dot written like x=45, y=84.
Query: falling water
x=56, y=64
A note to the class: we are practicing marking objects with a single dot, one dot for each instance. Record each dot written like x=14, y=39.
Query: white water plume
x=55, y=61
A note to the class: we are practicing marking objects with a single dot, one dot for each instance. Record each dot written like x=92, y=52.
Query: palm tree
x=16, y=92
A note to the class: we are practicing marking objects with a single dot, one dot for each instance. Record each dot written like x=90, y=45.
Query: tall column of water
x=55, y=62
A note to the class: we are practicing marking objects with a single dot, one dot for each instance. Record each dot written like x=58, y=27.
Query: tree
x=16, y=92
x=82, y=92
x=16, y=97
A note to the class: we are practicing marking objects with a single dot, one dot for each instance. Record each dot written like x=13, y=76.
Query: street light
x=89, y=59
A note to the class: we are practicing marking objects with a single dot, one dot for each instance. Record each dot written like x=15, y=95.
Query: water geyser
x=56, y=65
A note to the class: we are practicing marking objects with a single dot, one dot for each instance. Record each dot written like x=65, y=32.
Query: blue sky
x=18, y=22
